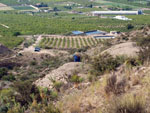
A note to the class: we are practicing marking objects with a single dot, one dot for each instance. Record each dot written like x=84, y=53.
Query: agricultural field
x=68, y=42
x=138, y=3
x=63, y=23
x=11, y=41
x=15, y=2
x=5, y=7
x=146, y=11
x=27, y=24
x=109, y=3
x=22, y=8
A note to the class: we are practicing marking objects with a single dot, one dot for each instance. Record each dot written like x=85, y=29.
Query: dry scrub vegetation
x=101, y=83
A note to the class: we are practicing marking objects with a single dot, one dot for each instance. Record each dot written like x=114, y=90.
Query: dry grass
x=115, y=86
x=88, y=100
x=127, y=104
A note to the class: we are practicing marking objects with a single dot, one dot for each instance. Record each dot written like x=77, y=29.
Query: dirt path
x=31, y=48
x=43, y=51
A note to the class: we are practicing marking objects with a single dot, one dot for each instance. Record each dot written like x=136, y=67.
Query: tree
x=55, y=9
x=130, y=26
x=3, y=72
x=16, y=33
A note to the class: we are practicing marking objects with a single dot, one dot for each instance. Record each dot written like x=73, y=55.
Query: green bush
x=3, y=109
x=144, y=45
x=76, y=79
x=16, y=33
x=130, y=26
x=57, y=85
x=9, y=78
x=25, y=89
x=3, y=72
x=53, y=95
x=51, y=109
x=104, y=62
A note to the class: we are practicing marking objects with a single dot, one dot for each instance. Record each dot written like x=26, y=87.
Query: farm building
x=94, y=32
x=77, y=32
x=104, y=37
x=98, y=13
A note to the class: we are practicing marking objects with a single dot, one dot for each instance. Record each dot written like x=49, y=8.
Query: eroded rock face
x=61, y=74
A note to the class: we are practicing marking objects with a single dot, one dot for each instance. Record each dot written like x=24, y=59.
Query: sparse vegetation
x=127, y=104
x=103, y=63
x=76, y=79
x=3, y=72
x=144, y=45
x=49, y=81
x=115, y=86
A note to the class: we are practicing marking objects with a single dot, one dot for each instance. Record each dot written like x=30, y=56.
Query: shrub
x=41, y=108
x=53, y=95
x=6, y=99
x=16, y=109
x=57, y=85
x=76, y=79
x=3, y=109
x=16, y=33
x=114, y=86
x=104, y=63
x=92, y=78
x=25, y=89
x=52, y=62
x=33, y=63
x=130, y=26
x=3, y=71
x=127, y=104
x=51, y=109
x=144, y=45
x=9, y=78
x=133, y=62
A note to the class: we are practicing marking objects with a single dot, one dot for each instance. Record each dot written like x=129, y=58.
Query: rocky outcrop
x=61, y=74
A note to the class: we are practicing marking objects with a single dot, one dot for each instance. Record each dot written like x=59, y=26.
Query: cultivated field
x=5, y=7
x=68, y=42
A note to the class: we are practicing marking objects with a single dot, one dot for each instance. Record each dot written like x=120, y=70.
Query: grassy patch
x=10, y=41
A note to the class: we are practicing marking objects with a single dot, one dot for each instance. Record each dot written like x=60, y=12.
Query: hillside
x=112, y=76
x=57, y=56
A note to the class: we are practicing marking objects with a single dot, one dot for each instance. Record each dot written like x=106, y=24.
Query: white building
x=98, y=13
x=121, y=18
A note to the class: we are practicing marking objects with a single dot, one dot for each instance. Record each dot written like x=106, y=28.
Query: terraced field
x=68, y=42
